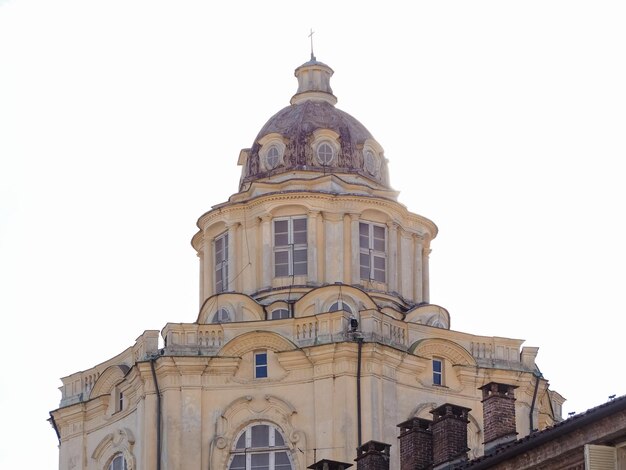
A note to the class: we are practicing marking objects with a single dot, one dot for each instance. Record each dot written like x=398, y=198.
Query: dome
x=312, y=136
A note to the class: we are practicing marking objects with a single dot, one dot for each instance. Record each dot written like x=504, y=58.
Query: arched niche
x=253, y=340
x=439, y=347
x=321, y=298
x=431, y=315
x=242, y=306
x=111, y=376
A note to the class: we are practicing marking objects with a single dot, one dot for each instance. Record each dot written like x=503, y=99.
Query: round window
x=325, y=153
x=273, y=157
x=371, y=162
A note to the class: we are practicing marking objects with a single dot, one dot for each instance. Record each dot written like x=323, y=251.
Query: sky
x=121, y=123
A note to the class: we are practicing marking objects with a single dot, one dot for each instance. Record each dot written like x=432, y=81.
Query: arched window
x=118, y=463
x=340, y=305
x=221, y=316
x=279, y=313
x=260, y=447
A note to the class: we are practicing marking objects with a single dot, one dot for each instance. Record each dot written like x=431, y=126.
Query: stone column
x=426, y=273
x=266, y=252
x=201, y=288
x=418, y=249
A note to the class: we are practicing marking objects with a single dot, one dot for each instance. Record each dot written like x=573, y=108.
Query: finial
x=311, y=36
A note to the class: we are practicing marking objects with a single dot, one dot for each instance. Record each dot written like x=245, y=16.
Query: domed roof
x=313, y=136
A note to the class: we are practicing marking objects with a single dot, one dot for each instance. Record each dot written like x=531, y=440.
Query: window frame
x=292, y=249
x=272, y=450
x=438, y=374
x=261, y=368
x=115, y=458
x=323, y=158
x=281, y=316
x=341, y=306
x=221, y=265
x=371, y=253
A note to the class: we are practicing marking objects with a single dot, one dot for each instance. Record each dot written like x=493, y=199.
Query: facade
x=315, y=332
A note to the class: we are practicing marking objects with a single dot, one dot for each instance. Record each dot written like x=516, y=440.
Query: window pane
x=238, y=463
x=379, y=238
x=281, y=233
x=281, y=263
x=260, y=435
x=260, y=359
x=241, y=442
x=299, y=256
x=281, y=239
x=282, y=461
x=364, y=236
x=278, y=438
x=299, y=225
x=260, y=461
x=379, y=262
x=299, y=231
x=436, y=365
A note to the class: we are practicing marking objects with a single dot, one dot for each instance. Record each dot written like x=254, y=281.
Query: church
x=315, y=332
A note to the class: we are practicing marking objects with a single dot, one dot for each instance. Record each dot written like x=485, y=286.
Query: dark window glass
x=260, y=366
x=260, y=435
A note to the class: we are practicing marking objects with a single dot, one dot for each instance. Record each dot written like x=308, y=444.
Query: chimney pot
x=373, y=455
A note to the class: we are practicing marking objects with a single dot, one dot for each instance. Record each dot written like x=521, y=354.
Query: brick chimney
x=373, y=455
x=449, y=435
x=416, y=444
x=326, y=464
x=498, y=414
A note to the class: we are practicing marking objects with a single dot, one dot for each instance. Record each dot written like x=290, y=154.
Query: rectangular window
x=437, y=372
x=221, y=263
x=373, y=252
x=120, y=402
x=290, y=247
x=260, y=365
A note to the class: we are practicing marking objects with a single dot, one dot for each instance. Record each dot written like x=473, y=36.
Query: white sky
x=121, y=123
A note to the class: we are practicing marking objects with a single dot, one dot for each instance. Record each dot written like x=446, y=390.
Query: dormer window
x=221, y=316
x=272, y=159
x=371, y=162
x=340, y=305
x=325, y=153
x=279, y=314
